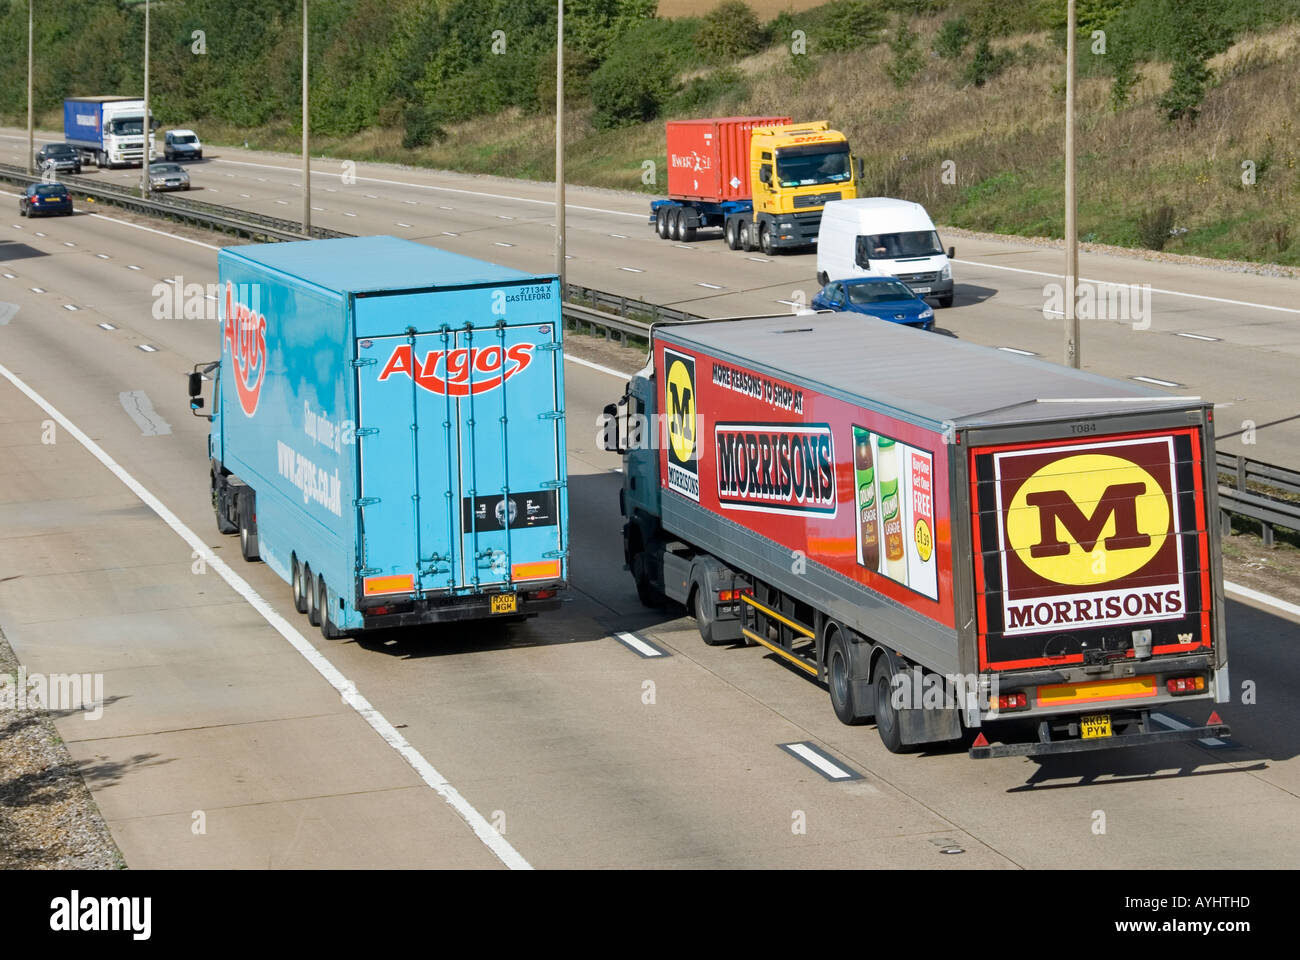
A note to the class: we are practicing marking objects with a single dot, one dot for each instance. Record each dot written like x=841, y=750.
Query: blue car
x=885, y=297
x=44, y=199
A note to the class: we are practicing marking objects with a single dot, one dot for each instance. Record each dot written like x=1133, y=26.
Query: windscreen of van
x=898, y=246
x=815, y=163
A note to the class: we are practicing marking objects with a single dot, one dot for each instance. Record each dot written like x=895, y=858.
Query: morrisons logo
x=679, y=405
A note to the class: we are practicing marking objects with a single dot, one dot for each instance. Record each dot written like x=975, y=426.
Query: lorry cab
x=884, y=237
x=795, y=170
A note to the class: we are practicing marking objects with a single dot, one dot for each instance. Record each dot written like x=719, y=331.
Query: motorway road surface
x=1230, y=337
x=579, y=751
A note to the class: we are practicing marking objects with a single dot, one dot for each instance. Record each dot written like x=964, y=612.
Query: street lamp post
x=31, y=139
x=306, y=157
x=145, y=125
x=1072, y=346
x=559, y=150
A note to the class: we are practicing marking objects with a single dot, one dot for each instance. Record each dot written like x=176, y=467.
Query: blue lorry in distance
x=107, y=131
x=387, y=430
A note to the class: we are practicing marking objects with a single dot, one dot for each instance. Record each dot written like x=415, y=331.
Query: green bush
x=950, y=43
x=1154, y=226
x=730, y=31
x=907, y=60
x=721, y=86
x=986, y=64
x=421, y=127
x=850, y=24
x=1186, y=89
x=630, y=88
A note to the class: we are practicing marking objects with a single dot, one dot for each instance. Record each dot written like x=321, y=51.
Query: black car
x=45, y=199
x=59, y=157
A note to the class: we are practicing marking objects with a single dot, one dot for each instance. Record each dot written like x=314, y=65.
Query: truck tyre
x=327, y=628
x=645, y=590
x=99, y=159
x=662, y=222
x=839, y=679
x=747, y=236
x=247, y=510
x=887, y=721
x=224, y=525
x=313, y=609
x=946, y=300
x=679, y=225
x=733, y=238
x=705, y=623
x=765, y=240
x=299, y=592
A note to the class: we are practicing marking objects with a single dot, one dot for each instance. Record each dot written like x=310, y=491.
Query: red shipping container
x=709, y=159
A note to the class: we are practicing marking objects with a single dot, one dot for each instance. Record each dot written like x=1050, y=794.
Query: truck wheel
x=248, y=524
x=663, y=223
x=733, y=239
x=887, y=722
x=99, y=159
x=678, y=225
x=765, y=240
x=839, y=678
x=299, y=593
x=946, y=301
x=747, y=237
x=327, y=628
x=218, y=507
x=645, y=590
x=705, y=623
x=313, y=608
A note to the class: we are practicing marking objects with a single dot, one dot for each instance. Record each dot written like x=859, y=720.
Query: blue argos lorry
x=387, y=430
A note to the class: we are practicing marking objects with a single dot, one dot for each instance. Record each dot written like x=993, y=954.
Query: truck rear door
x=1091, y=551
x=461, y=481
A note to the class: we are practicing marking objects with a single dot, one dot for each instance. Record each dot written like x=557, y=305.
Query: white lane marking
x=1197, y=336
x=1112, y=283
x=410, y=201
x=426, y=186
x=283, y=203
x=400, y=224
x=1023, y=353
x=618, y=236
x=11, y=276
x=103, y=256
x=788, y=303
x=502, y=216
x=637, y=644
x=632, y=269
x=147, y=348
x=446, y=233
x=502, y=243
x=69, y=243
x=106, y=326
x=68, y=306
x=596, y=366
x=711, y=286
x=1168, y=721
x=759, y=259
x=441, y=207
x=684, y=246
x=346, y=214
x=1156, y=381
x=161, y=233
x=1250, y=594
x=245, y=196
x=332, y=675
x=817, y=760
x=42, y=289
x=39, y=234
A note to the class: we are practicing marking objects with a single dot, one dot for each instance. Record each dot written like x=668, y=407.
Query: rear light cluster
x=1181, y=685
x=1013, y=701
x=730, y=596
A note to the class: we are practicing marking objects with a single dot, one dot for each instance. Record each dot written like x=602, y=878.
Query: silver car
x=168, y=176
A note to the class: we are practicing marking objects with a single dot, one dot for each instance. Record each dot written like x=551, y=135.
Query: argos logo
x=459, y=372
x=245, y=332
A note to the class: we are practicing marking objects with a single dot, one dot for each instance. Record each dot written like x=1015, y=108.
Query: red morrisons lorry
x=959, y=541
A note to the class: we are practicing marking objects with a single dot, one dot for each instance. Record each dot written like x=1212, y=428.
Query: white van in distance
x=884, y=237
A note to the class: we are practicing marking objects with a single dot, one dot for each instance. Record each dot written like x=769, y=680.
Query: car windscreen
x=878, y=292
x=164, y=168
x=59, y=150
x=51, y=190
x=812, y=164
x=185, y=139
x=895, y=246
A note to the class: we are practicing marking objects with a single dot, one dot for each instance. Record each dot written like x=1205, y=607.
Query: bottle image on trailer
x=868, y=513
x=891, y=510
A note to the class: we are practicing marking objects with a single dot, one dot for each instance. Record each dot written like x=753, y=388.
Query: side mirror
x=765, y=174
x=609, y=437
x=952, y=253
x=196, y=385
x=196, y=403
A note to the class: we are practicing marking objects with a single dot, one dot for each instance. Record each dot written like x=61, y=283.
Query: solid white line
x=1173, y=724
x=161, y=233
x=1141, y=286
x=636, y=644
x=482, y=829
x=1284, y=605
x=818, y=761
x=596, y=366
x=426, y=186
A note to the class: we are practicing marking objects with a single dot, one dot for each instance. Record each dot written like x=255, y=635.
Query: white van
x=884, y=237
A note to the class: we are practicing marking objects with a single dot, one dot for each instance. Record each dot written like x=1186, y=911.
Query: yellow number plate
x=1094, y=726
x=509, y=603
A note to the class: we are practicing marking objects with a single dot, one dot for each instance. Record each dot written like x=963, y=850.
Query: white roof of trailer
x=919, y=374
